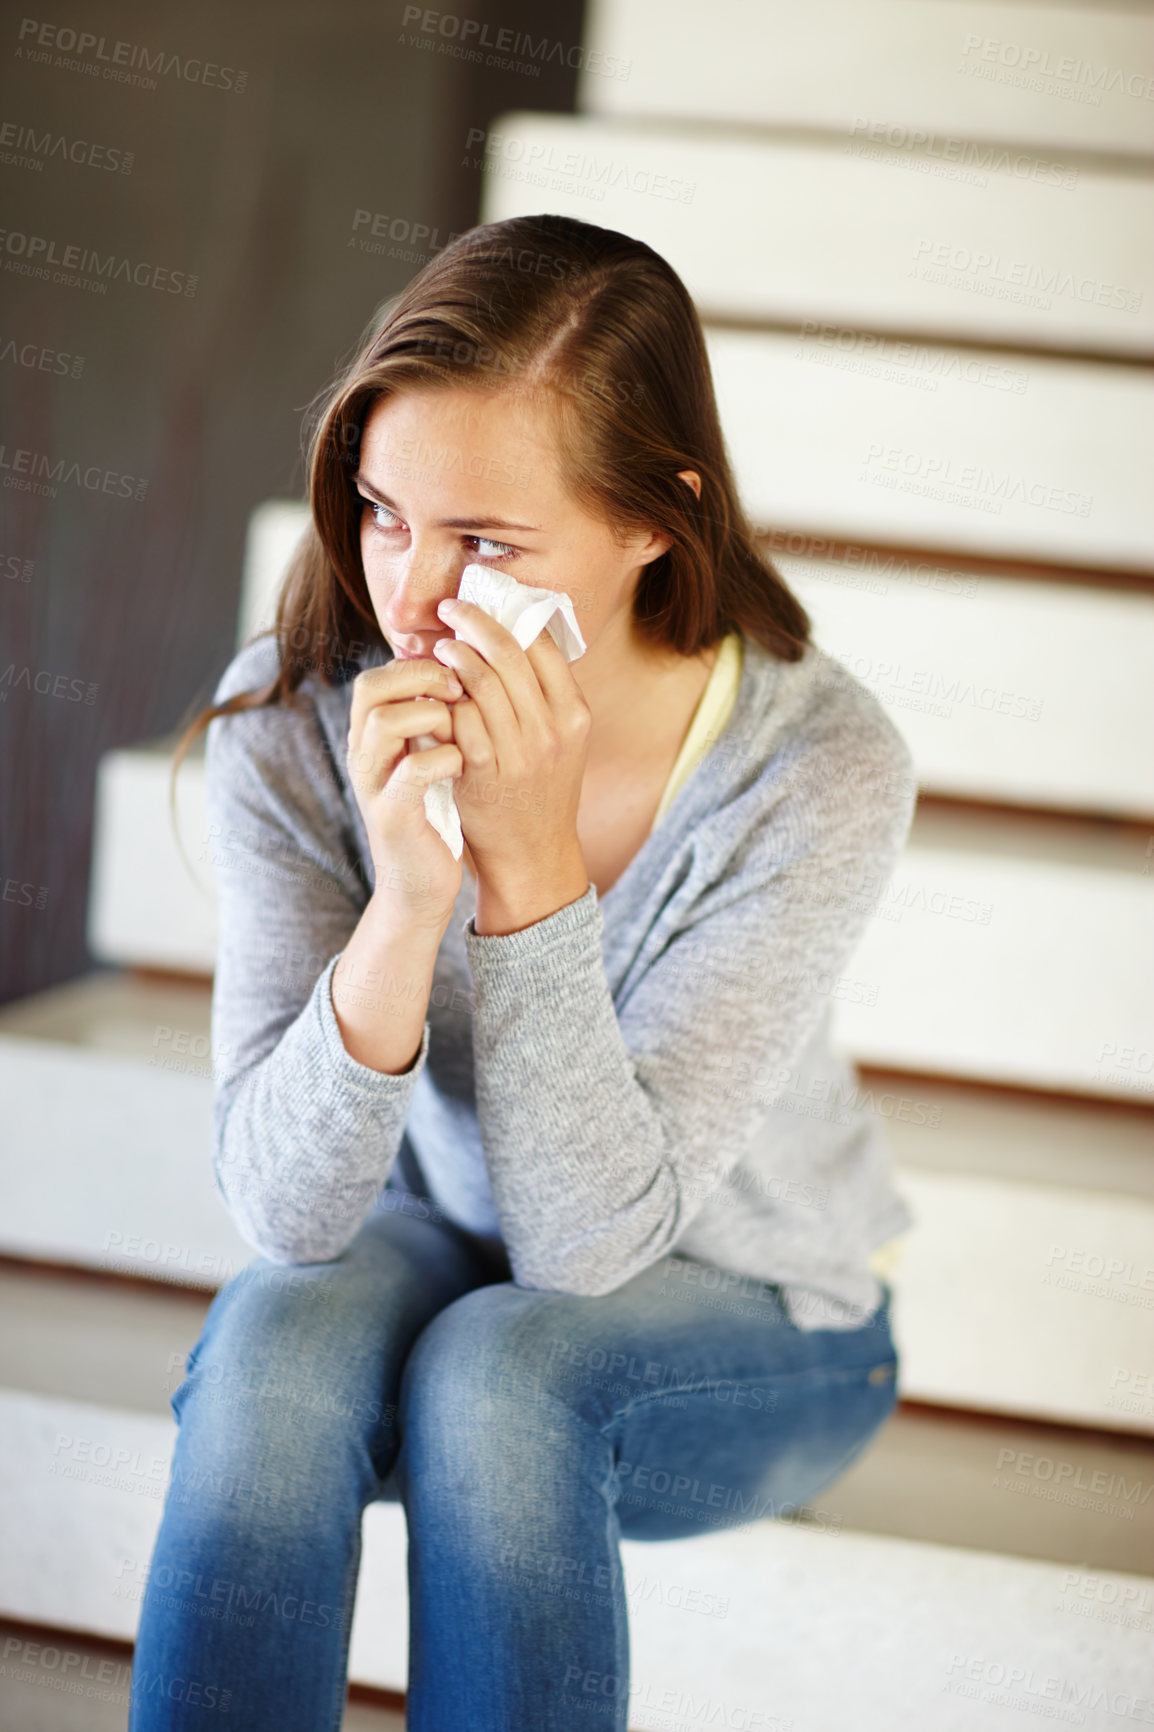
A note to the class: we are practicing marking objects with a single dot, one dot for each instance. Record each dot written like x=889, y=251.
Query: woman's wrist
x=403, y=904
x=510, y=901
x=381, y=986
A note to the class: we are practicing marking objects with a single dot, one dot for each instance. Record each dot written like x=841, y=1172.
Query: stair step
x=152, y=896
x=63, y=1682
x=913, y=1622
x=957, y=972
x=1012, y=950
x=1023, y=1299
x=1067, y=1260
x=968, y=71
x=934, y=266
x=861, y=459
x=987, y=677
x=122, y=1177
x=945, y=1127
x=274, y=530
x=944, y=1478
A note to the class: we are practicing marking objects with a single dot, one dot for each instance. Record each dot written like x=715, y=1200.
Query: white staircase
x=920, y=453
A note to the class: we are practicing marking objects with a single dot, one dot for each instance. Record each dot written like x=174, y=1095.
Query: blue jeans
x=524, y=1433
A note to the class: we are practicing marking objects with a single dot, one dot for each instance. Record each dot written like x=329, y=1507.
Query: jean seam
x=832, y=1374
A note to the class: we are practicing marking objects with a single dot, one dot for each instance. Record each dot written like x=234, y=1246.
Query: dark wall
x=140, y=425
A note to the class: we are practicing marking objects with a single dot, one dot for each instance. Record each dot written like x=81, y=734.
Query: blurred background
x=920, y=236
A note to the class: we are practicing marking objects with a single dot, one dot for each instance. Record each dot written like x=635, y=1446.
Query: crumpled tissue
x=525, y=612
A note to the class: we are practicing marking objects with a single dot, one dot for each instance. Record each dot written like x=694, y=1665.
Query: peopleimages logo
x=121, y=62
x=463, y=38
x=33, y=255
x=1029, y=66
x=990, y=273
x=36, y=472
x=24, y=147
x=41, y=358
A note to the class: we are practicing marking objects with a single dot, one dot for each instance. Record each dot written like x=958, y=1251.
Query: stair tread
x=800, y=1604
x=943, y=1478
x=788, y=74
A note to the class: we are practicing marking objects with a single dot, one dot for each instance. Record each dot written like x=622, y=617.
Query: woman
x=565, y=1200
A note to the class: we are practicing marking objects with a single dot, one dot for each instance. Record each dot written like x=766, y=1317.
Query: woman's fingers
x=405, y=719
x=398, y=700
x=551, y=666
x=434, y=764
x=485, y=682
x=398, y=679
x=387, y=730
x=391, y=707
x=512, y=687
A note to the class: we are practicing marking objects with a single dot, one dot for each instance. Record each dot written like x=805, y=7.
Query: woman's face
x=450, y=478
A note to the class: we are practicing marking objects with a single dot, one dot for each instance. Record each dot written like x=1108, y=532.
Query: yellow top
x=710, y=716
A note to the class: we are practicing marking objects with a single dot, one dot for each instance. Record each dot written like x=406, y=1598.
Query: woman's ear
x=655, y=544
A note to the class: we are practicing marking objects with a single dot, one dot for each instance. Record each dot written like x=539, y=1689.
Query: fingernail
x=445, y=608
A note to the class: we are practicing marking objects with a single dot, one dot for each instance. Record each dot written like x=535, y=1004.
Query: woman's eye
x=386, y=519
x=492, y=549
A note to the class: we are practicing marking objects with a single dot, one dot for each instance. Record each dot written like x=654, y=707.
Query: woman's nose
x=416, y=589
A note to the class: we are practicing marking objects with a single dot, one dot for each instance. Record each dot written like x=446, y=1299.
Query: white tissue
x=525, y=612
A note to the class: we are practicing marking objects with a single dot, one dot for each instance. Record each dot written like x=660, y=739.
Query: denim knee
x=278, y=1378
x=479, y=1391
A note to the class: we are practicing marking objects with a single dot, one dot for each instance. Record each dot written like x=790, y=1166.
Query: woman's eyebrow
x=451, y=522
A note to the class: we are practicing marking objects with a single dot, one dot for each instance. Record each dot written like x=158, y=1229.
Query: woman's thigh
x=713, y=1414
x=735, y=1414
x=297, y=1365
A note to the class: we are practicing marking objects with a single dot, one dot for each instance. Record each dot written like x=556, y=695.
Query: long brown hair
x=604, y=326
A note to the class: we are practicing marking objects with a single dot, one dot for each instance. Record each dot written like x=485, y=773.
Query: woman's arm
x=605, y=1127
x=380, y=990
x=311, y=1095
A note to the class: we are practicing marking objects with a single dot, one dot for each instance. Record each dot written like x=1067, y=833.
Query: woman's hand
x=523, y=731
x=415, y=872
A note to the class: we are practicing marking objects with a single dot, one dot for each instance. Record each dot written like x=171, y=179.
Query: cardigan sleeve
x=604, y=1127
x=304, y=1136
